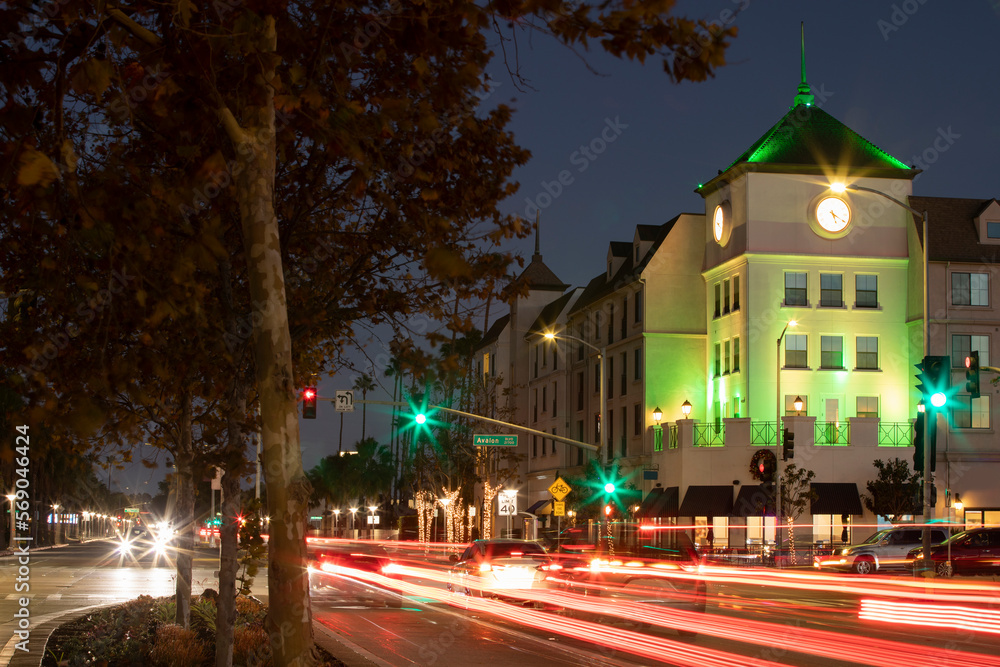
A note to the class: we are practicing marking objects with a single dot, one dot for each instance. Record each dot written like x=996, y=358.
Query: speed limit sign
x=507, y=501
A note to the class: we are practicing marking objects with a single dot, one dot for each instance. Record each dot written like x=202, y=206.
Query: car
x=344, y=571
x=499, y=568
x=664, y=573
x=885, y=550
x=974, y=551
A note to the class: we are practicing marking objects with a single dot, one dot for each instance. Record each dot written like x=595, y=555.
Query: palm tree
x=364, y=384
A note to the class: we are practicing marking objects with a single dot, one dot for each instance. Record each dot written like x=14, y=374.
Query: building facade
x=790, y=302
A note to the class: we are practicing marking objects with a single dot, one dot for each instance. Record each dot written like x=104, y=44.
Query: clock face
x=719, y=223
x=833, y=214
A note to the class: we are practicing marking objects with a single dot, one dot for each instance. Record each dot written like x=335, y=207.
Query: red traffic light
x=607, y=510
x=309, y=393
x=968, y=362
x=309, y=403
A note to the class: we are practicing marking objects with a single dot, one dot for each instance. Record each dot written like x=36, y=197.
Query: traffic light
x=972, y=373
x=936, y=380
x=787, y=445
x=309, y=403
x=918, y=444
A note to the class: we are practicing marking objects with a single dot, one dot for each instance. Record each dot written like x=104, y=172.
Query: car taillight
x=485, y=567
x=551, y=567
x=391, y=568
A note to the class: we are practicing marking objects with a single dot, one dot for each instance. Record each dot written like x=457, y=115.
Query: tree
x=894, y=492
x=364, y=384
x=391, y=167
x=796, y=496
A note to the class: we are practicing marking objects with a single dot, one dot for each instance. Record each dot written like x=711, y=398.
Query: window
x=534, y=408
x=555, y=398
x=718, y=360
x=554, y=442
x=718, y=300
x=831, y=352
x=624, y=386
x=962, y=345
x=971, y=412
x=868, y=406
x=970, y=289
x=736, y=355
x=579, y=346
x=637, y=364
x=545, y=445
x=611, y=322
x=795, y=289
x=796, y=351
x=544, y=399
x=866, y=291
x=624, y=331
x=579, y=390
x=536, y=361
x=597, y=326
x=725, y=296
x=579, y=436
x=597, y=427
x=637, y=420
x=725, y=358
x=831, y=290
x=486, y=365
x=638, y=306
x=611, y=378
x=597, y=377
x=555, y=357
x=534, y=446
x=867, y=352
x=624, y=428
x=736, y=292
x=993, y=230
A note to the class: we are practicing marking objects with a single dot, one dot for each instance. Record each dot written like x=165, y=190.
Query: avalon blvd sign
x=494, y=440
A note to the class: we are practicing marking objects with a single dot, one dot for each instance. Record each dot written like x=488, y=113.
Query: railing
x=895, y=434
x=833, y=433
x=762, y=433
x=709, y=435
x=672, y=443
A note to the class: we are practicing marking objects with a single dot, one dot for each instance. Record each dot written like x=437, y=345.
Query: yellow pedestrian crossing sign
x=559, y=489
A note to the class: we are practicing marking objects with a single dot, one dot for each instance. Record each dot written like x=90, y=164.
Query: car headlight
x=845, y=552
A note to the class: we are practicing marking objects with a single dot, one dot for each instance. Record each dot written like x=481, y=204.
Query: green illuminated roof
x=807, y=135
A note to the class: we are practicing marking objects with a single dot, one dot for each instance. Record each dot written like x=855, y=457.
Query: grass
x=141, y=633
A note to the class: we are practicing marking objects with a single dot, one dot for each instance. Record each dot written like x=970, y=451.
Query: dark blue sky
x=901, y=74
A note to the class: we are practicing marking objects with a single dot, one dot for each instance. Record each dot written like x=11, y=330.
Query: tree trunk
x=226, y=604
x=184, y=519
x=289, y=622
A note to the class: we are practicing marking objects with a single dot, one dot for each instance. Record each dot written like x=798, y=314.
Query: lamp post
x=371, y=513
x=777, y=437
x=336, y=521
x=55, y=520
x=928, y=508
x=354, y=514
x=797, y=404
x=601, y=359
x=686, y=409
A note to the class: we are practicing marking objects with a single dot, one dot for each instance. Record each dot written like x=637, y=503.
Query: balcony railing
x=833, y=433
x=672, y=443
x=709, y=435
x=762, y=433
x=895, y=434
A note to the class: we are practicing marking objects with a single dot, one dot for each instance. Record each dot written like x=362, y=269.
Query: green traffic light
x=421, y=418
x=938, y=399
x=609, y=488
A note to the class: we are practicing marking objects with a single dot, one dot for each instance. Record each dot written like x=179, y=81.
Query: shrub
x=177, y=647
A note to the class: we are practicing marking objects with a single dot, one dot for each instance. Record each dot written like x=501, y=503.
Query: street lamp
x=797, y=404
x=336, y=521
x=354, y=514
x=777, y=434
x=11, y=497
x=686, y=409
x=601, y=357
x=928, y=508
x=371, y=513
x=55, y=520
x=657, y=415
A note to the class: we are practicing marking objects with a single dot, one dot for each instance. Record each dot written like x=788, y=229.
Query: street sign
x=560, y=489
x=507, y=502
x=493, y=440
x=559, y=508
x=131, y=510
x=344, y=401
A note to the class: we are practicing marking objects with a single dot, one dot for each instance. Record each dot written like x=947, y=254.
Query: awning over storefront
x=659, y=503
x=836, y=498
x=707, y=501
x=753, y=501
x=541, y=507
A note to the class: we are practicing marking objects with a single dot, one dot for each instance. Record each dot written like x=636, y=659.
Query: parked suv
x=975, y=551
x=886, y=549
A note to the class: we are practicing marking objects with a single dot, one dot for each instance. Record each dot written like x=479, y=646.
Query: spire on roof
x=804, y=95
x=538, y=225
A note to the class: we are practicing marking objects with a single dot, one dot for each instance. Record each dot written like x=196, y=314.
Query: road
x=757, y=617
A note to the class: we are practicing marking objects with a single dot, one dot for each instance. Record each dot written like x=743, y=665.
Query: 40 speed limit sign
x=507, y=503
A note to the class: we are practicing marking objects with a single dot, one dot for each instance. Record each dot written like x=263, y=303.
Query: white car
x=884, y=550
x=500, y=568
